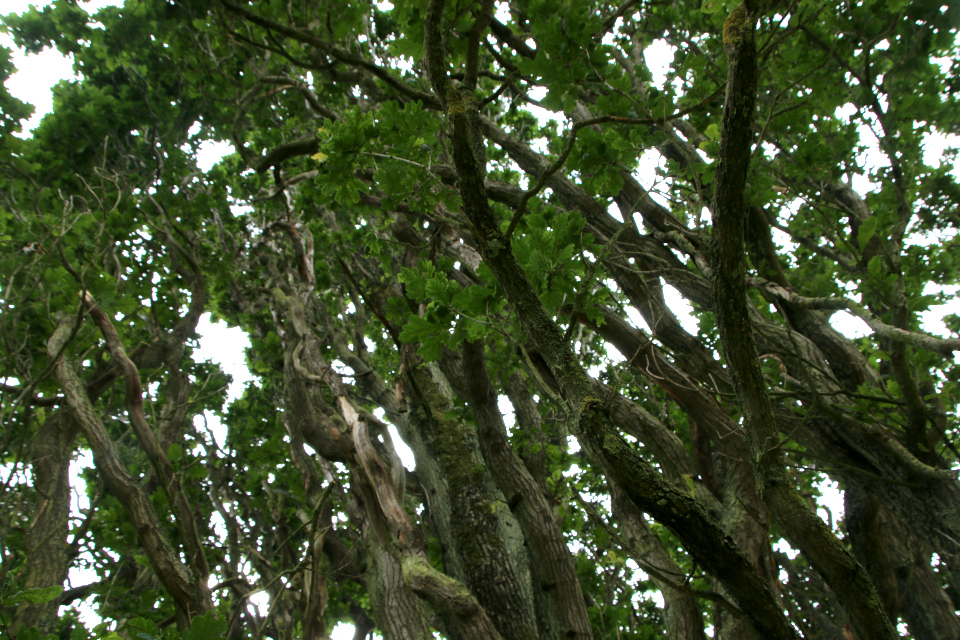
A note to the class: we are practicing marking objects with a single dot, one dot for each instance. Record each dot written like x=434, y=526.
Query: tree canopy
x=466, y=223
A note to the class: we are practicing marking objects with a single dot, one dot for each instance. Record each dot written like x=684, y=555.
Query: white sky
x=39, y=72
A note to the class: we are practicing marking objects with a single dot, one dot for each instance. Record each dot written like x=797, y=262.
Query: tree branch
x=685, y=516
x=190, y=595
x=803, y=527
x=944, y=346
x=158, y=458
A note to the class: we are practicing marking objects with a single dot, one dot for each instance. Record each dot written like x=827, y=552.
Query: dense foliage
x=462, y=222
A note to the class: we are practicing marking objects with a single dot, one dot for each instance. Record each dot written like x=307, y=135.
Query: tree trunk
x=45, y=541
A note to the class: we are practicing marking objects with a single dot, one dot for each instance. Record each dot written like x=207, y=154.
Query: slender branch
x=302, y=35
x=307, y=94
x=944, y=346
x=295, y=148
x=562, y=159
x=189, y=593
x=158, y=458
x=656, y=572
x=35, y=401
x=644, y=485
x=505, y=35
x=612, y=18
x=481, y=19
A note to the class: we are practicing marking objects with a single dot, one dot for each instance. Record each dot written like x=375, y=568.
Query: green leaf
x=712, y=6
x=33, y=634
x=106, y=194
x=416, y=329
x=37, y=595
x=175, y=453
x=205, y=627
x=921, y=303
x=868, y=228
x=711, y=147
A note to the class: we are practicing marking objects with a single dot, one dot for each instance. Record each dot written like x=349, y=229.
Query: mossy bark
x=803, y=527
x=492, y=572
x=561, y=609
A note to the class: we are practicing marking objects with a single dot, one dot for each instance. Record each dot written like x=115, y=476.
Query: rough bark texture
x=805, y=529
x=48, y=556
x=562, y=611
x=492, y=573
x=681, y=611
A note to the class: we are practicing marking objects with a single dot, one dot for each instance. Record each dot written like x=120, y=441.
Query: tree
x=407, y=244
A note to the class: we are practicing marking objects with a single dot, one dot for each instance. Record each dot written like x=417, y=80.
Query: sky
x=218, y=343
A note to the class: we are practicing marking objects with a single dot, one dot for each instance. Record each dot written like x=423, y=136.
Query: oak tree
x=466, y=225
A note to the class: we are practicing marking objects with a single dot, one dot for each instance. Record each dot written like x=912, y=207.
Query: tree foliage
x=461, y=223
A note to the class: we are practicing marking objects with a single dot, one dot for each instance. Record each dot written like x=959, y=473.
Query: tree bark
x=804, y=528
x=192, y=598
x=45, y=541
x=562, y=610
x=492, y=572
